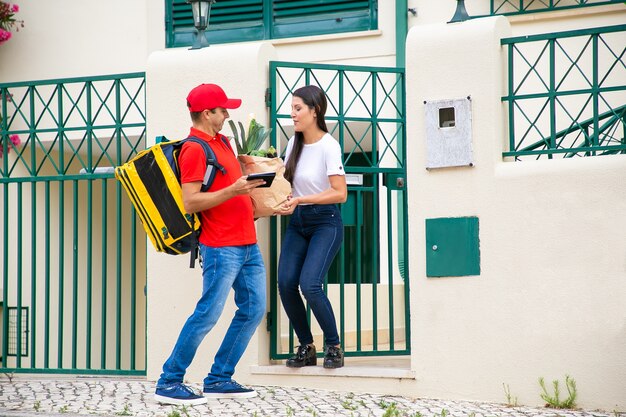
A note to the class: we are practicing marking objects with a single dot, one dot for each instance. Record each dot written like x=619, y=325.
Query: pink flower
x=8, y=21
x=4, y=35
x=15, y=140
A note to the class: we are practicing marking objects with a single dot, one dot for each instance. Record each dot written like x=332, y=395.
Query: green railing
x=368, y=282
x=567, y=93
x=73, y=267
x=514, y=7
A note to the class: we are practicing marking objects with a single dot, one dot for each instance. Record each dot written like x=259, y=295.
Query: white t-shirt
x=317, y=161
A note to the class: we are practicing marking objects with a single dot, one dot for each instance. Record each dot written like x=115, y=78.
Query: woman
x=315, y=231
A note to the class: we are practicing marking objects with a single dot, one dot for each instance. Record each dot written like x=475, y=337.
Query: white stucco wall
x=77, y=38
x=429, y=12
x=551, y=294
x=550, y=298
x=174, y=288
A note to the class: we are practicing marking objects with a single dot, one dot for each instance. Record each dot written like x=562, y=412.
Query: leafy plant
x=174, y=413
x=250, y=143
x=392, y=411
x=185, y=409
x=125, y=412
x=37, y=405
x=8, y=21
x=555, y=401
x=348, y=405
x=384, y=404
x=511, y=401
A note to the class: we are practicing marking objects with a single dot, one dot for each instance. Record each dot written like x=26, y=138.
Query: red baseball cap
x=208, y=97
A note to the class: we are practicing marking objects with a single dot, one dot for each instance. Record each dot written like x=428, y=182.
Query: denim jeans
x=223, y=268
x=312, y=240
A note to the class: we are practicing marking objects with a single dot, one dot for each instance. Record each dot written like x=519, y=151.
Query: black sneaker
x=228, y=389
x=333, y=357
x=178, y=394
x=305, y=356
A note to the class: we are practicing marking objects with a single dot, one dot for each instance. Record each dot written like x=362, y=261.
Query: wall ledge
x=566, y=14
x=360, y=368
x=328, y=37
x=560, y=166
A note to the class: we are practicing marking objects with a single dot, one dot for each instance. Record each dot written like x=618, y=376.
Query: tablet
x=268, y=177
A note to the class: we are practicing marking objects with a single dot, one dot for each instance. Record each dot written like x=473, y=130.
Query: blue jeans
x=223, y=268
x=312, y=240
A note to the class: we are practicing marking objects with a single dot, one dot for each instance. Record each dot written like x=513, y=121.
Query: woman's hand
x=288, y=206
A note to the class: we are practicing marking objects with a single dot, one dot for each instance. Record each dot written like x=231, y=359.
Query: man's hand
x=243, y=186
x=195, y=200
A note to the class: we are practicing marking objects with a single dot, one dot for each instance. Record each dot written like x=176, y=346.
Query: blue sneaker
x=178, y=394
x=228, y=389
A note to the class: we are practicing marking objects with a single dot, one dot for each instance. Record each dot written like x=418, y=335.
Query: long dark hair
x=315, y=99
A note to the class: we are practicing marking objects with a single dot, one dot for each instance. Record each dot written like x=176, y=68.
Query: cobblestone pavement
x=132, y=397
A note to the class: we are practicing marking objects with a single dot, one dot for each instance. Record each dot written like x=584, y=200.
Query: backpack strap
x=211, y=166
x=211, y=162
x=226, y=142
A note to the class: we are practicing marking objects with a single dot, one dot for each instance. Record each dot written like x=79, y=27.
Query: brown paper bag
x=266, y=200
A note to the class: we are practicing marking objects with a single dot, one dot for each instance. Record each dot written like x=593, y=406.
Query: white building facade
x=486, y=232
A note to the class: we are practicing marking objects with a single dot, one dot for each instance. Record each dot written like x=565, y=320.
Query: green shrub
x=555, y=401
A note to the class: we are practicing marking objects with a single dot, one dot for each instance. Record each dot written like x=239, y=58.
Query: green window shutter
x=231, y=21
x=245, y=20
x=317, y=17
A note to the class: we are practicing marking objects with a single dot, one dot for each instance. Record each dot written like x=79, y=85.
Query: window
x=446, y=117
x=246, y=20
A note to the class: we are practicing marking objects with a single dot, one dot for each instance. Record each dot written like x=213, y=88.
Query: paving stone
x=110, y=398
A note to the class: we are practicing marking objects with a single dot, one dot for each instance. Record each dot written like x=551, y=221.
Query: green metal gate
x=368, y=283
x=72, y=272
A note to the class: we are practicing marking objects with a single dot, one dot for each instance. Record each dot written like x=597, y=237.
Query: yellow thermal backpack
x=152, y=181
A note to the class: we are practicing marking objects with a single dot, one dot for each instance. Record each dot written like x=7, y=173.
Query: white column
x=173, y=288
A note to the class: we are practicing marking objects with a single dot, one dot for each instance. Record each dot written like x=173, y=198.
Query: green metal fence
x=515, y=7
x=567, y=93
x=72, y=265
x=368, y=283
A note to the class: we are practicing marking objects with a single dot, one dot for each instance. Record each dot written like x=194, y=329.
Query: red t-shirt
x=232, y=222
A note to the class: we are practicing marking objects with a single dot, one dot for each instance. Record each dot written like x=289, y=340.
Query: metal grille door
x=72, y=255
x=368, y=283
